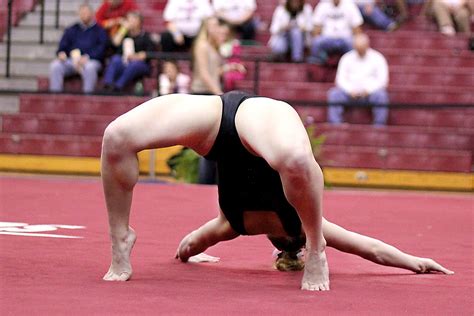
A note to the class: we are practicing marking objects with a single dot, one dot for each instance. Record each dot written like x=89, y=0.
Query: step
x=26, y=67
x=78, y=104
x=65, y=19
x=399, y=75
x=314, y=91
x=32, y=34
x=458, y=119
x=55, y=124
x=9, y=103
x=18, y=83
x=367, y=135
x=396, y=158
x=29, y=50
x=43, y=144
x=50, y=5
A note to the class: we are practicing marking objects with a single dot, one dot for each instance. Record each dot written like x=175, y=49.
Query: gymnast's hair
x=289, y=259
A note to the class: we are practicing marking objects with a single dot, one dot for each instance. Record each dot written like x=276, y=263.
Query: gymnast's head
x=289, y=258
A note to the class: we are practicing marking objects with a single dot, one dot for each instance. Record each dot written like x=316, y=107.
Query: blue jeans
x=337, y=95
x=292, y=40
x=377, y=17
x=322, y=46
x=58, y=70
x=119, y=74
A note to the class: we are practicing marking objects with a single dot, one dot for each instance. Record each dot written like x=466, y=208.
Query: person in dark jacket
x=133, y=47
x=81, y=51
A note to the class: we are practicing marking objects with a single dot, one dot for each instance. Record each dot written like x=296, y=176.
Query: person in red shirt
x=111, y=14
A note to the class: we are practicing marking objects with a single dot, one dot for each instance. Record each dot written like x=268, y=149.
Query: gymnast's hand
x=426, y=265
x=202, y=257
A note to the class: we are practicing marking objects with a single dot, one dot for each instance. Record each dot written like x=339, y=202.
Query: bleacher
x=426, y=68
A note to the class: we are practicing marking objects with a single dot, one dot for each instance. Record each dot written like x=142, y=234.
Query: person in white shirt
x=172, y=80
x=375, y=16
x=335, y=22
x=183, y=20
x=291, y=23
x=239, y=14
x=362, y=76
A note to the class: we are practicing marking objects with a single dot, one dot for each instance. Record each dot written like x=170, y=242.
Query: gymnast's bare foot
x=426, y=265
x=120, y=268
x=316, y=272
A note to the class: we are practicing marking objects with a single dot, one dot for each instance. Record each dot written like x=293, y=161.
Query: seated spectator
x=183, y=20
x=335, y=22
x=131, y=61
x=291, y=23
x=239, y=14
x=375, y=16
x=111, y=14
x=81, y=51
x=362, y=76
x=452, y=15
x=171, y=80
x=231, y=50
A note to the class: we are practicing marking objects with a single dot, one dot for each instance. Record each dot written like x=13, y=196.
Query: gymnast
x=269, y=182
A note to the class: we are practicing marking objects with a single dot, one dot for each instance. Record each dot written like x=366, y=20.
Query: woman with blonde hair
x=208, y=64
x=208, y=67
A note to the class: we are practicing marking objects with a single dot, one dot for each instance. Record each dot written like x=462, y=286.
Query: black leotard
x=246, y=182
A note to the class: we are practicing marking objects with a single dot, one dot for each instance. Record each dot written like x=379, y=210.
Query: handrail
x=257, y=60
x=9, y=37
x=41, y=28
x=56, y=21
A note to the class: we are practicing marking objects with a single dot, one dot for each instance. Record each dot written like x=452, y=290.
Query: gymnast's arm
x=376, y=250
x=209, y=234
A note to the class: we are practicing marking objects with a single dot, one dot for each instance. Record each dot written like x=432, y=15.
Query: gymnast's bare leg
x=192, y=121
x=273, y=130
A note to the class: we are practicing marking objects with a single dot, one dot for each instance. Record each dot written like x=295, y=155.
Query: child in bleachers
x=172, y=80
x=291, y=24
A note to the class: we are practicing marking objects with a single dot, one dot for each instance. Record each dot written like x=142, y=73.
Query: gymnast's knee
x=116, y=142
x=297, y=161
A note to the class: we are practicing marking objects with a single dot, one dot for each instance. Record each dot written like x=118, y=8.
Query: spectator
x=451, y=15
x=111, y=14
x=291, y=23
x=183, y=20
x=231, y=50
x=375, y=16
x=208, y=66
x=207, y=62
x=335, y=22
x=239, y=14
x=81, y=51
x=362, y=76
x=172, y=80
x=131, y=62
